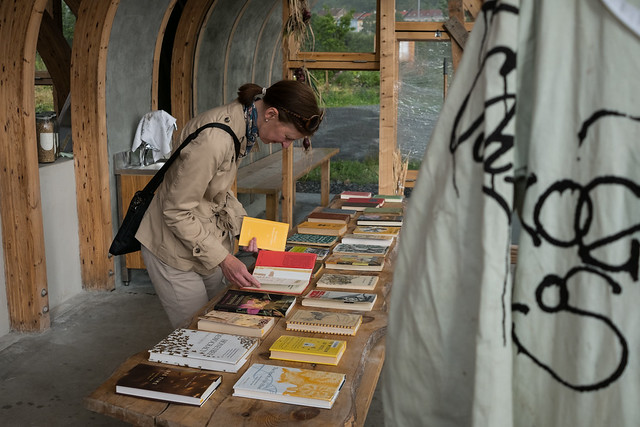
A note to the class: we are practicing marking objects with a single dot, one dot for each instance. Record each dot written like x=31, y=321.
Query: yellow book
x=270, y=235
x=307, y=349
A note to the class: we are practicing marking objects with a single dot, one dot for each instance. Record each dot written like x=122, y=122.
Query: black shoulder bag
x=125, y=240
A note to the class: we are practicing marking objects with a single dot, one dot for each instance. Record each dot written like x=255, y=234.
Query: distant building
x=357, y=23
x=422, y=15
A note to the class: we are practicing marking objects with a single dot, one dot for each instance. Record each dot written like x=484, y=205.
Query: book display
x=270, y=235
x=377, y=230
x=308, y=349
x=385, y=220
x=284, y=272
x=168, y=383
x=347, y=281
x=321, y=253
x=225, y=322
x=337, y=299
x=205, y=350
x=325, y=322
x=367, y=239
x=385, y=210
x=311, y=239
x=359, y=204
x=296, y=386
x=349, y=249
x=354, y=262
x=258, y=303
x=322, y=228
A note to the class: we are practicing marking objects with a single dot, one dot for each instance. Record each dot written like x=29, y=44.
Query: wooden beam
x=473, y=7
x=288, y=49
x=89, y=130
x=335, y=65
x=156, y=55
x=388, y=96
x=457, y=31
x=456, y=11
x=56, y=54
x=20, y=205
x=183, y=59
x=74, y=5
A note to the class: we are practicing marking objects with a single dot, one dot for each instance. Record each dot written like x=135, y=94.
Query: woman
x=187, y=232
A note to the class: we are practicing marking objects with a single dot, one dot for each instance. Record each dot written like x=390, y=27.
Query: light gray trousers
x=182, y=293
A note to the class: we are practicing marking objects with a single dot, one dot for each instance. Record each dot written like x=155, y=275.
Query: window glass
x=422, y=10
x=342, y=26
x=422, y=81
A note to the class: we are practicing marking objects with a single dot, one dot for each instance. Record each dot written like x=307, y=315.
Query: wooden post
x=456, y=12
x=20, y=206
x=89, y=129
x=388, y=96
x=287, y=153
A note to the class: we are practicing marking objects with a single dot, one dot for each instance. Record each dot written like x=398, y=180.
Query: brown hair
x=295, y=101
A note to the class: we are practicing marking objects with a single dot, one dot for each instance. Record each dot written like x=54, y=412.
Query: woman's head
x=290, y=101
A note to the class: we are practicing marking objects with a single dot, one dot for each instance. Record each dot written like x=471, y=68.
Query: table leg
x=272, y=206
x=325, y=176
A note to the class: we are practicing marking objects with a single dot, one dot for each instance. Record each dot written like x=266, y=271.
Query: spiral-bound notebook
x=324, y=322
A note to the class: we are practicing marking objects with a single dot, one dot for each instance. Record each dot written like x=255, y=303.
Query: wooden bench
x=264, y=176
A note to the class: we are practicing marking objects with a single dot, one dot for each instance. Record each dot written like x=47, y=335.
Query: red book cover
x=358, y=194
x=286, y=259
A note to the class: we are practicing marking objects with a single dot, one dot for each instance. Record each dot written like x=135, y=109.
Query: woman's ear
x=271, y=113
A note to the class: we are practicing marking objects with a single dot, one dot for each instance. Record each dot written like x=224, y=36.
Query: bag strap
x=153, y=185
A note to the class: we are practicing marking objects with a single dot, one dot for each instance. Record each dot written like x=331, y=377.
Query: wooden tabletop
x=362, y=364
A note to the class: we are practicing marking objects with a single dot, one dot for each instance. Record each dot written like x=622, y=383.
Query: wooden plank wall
x=22, y=226
x=89, y=129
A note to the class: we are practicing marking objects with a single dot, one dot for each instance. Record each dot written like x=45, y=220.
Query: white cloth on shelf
x=155, y=129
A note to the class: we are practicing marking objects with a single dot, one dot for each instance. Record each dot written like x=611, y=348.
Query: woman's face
x=273, y=131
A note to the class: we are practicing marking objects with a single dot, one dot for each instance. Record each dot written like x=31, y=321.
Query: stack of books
x=360, y=204
x=322, y=228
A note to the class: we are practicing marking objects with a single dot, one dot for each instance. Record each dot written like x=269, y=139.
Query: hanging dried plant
x=298, y=23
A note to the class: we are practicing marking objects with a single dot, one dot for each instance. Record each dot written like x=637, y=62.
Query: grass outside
x=352, y=171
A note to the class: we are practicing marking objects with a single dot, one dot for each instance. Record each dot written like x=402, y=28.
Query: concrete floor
x=45, y=376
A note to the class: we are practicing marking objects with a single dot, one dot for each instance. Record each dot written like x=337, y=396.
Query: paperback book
x=337, y=218
x=367, y=239
x=168, y=383
x=225, y=322
x=354, y=262
x=321, y=253
x=284, y=272
x=257, y=303
x=270, y=235
x=361, y=204
x=384, y=210
x=205, y=350
x=295, y=386
x=384, y=220
x=390, y=198
x=347, y=281
x=323, y=228
x=357, y=249
x=338, y=299
x=311, y=239
x=324, y=322
x=307, y=349
x=349, y=212
x=377, y=230
x=355, y=195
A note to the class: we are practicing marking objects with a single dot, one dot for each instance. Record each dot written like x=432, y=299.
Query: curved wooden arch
x=183, y=59
x=156, y=55
x=22, y=225
x=90, y=151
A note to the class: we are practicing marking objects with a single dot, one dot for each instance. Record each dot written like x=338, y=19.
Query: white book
x=290, y=385
x=367, y=239
x=205, y=350
x=347, y=281
x=359, y=249
x=337, y=299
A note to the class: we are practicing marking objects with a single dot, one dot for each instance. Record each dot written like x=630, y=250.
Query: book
x=377, y=230
x=338, y=299
x=225, y=322
x=355, y=194
x=319, y=268
x=322, y=228
x=357, y=249
x=295, y=386
x=390, y=198
x=257, y=303
x=169, y=383
x=325, y=322
x=380, y=220
x=354, y=262
x=311, y=239
x=307, y=349
x=347, y=281
x=321, y=253
x=361, y=204
x=337, y=218
x=284, y=272
x=270, y=235
x=350, y=212
x=388, y=210
x=205, y=350
x=367, y=239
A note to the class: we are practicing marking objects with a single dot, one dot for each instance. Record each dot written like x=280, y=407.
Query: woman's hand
x=252, y=247
x=236, y=272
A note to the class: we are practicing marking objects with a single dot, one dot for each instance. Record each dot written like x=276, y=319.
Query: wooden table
x=362, y=362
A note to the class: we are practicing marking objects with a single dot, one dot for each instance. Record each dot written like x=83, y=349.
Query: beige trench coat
x=193, y=213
